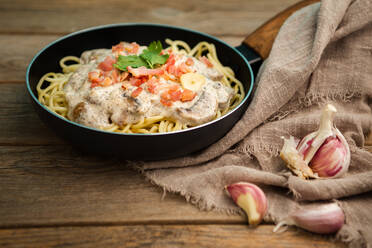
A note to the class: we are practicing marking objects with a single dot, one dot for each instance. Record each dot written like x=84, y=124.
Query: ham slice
x=143, y=71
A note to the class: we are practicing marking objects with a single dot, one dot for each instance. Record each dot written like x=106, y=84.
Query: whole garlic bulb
x=323, y=153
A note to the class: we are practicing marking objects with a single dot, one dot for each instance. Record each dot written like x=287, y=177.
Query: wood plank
x=215, y=17
x=162, y=236
x=56, y=185
x=15, y=108
x=20, y=49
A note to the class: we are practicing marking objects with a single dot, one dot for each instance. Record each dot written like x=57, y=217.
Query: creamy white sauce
x=99, y=107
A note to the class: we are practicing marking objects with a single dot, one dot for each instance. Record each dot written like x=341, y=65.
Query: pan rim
x=90, y=29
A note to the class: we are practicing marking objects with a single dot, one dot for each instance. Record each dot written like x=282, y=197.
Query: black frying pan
x=244, y=60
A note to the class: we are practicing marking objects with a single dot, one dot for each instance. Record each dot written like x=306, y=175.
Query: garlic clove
x=192, y=81
x=325, y=152
x=294, y=159
x=328, y=160
x=325, y=130
x=323, y=219
x=251, y=199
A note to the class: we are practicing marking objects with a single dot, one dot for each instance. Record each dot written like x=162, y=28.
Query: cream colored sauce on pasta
x=99, y=107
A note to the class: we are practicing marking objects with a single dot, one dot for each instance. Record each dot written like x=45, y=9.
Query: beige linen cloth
x=323, y=53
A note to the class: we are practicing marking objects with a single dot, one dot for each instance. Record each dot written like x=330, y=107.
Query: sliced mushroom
x=203, y=110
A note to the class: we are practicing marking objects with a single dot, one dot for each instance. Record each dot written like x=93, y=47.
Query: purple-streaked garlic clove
x=325, y=152
x=251, y=199
x=323, y=219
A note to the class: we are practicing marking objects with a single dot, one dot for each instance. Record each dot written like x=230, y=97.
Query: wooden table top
x=53, y=196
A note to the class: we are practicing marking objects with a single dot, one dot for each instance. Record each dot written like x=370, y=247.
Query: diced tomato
x=187, y=95
x=106, y=65
x=171, y=95
x=143, y=79
x=106, y=82
x=178, y=70
x=206, y=61
x=135, y=47
x=143, y=71
x=133, y=81
x=117, y=48
x=171, y=60
x=115, y=76
x=137, y=81
x=136, y=92
x=167, y=103
x=151, y=88
x=183, y=68
x=93, y=75
x=165, y=99
x=189, y=61
x=131, y=48
x=106, y=73
x=95, y=78
x=92, y=85
x=152, y=85
x=172, y=70
x=165, y=96
x=175, y=95
x=173, y=87
x=170, y=65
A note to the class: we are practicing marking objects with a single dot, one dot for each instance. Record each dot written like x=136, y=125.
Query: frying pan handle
x=262, y=39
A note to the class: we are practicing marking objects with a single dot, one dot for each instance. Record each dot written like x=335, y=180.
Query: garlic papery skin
x=323, y=219
x=251, y=199
x=326, y=151
x=294, y=159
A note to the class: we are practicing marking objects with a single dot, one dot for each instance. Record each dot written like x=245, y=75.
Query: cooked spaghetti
x=177, y=88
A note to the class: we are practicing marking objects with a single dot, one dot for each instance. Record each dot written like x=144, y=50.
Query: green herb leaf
x=152, y=54
x=149, y=58
x=155, y=47
x=132, y=60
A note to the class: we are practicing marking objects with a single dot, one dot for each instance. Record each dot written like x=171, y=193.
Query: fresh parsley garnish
x=150, y=58
x=132, y=60
x=152, y=54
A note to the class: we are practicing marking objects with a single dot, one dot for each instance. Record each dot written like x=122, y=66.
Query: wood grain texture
x=57, y=185
x=162, y=236
x=262, y=39
x=20, y=49
x=235, y=17
x=19, y=123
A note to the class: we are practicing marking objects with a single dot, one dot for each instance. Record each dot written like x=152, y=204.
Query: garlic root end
x=281, y=224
